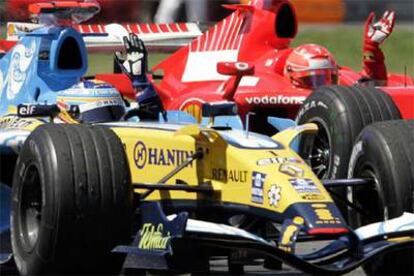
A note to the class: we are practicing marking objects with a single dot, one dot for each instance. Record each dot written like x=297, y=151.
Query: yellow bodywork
x=153, y=153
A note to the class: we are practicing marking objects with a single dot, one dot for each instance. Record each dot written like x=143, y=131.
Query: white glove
x=135, y=53
x=379, y=31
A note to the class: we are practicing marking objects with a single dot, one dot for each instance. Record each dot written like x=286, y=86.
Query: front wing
x=177, y=243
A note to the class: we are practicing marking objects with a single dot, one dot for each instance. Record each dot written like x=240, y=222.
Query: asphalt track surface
x=219, y=267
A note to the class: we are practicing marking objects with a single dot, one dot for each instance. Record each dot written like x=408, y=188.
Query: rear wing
x=109, y=37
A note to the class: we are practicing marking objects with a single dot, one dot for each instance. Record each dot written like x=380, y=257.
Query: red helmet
x=310, y=66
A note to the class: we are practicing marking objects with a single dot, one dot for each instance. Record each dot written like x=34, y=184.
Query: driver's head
x=310, y=66
x=94, y=102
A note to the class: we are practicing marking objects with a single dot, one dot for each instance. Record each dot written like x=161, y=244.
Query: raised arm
x=373, y=58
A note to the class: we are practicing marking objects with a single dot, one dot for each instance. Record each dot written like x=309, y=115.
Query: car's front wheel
x=71, y=200
x=384, y=152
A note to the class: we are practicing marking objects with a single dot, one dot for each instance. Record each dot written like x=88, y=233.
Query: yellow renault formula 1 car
x=172, y=197
x=114, y=192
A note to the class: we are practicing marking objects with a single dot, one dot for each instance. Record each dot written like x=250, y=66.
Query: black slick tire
x=71, y=200
x=384, y=151
x=340, y=113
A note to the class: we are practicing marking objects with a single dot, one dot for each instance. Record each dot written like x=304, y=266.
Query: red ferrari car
x=259, y=35
x=254, y=41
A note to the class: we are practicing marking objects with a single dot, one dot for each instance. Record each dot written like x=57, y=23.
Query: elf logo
x=26, y=110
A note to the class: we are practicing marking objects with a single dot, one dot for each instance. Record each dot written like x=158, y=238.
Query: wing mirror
x=219, y=109
x=235, y=68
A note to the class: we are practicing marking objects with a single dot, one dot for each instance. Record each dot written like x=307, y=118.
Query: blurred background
x=320, y=11
x=335, y=24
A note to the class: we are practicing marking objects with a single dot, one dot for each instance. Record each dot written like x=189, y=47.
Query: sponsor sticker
x=324, y=215
x=290, y=230
x=229, y=175
x=303, y=185
x=274, y=195
x=304, y=108
x=97, y=104
x=278, y=160
x=258, y=180
x=273, y=100
x=21, y=58
x=313, y=197
x=140, y=154
x=153, y=237
x=144, y=156
x=15, y=122
x=291, y=170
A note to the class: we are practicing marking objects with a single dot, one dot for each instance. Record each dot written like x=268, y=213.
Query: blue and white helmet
x=96, y=101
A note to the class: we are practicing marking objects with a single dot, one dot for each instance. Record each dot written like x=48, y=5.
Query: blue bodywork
x=46, y=67
x=49, y=60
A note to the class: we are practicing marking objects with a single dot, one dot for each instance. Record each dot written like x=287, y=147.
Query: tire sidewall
x=378, y=148
x=320, y=111
x=370, y=150
x=31, y=262
x=359, y=161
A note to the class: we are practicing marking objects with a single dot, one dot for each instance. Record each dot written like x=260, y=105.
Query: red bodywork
x=259, y=34
x=5, y=45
